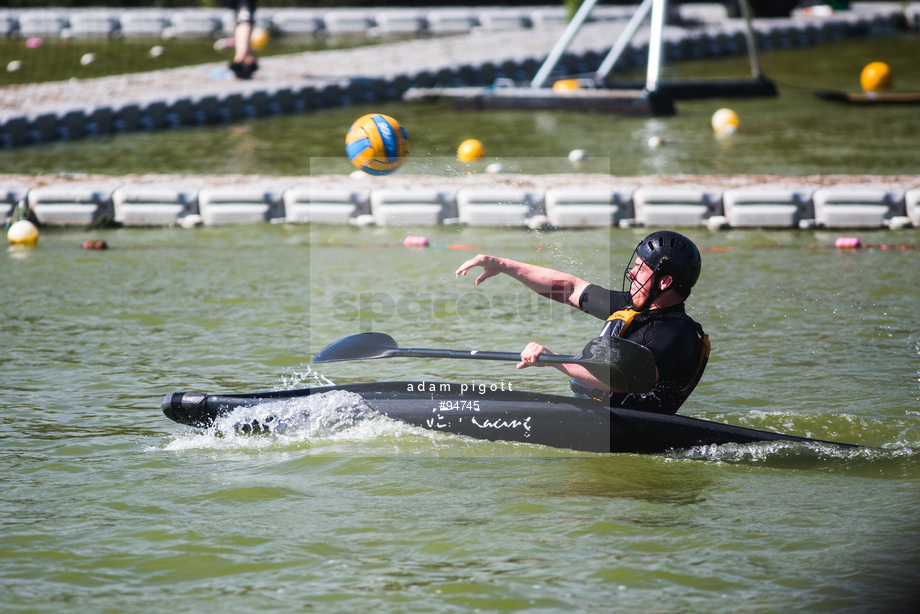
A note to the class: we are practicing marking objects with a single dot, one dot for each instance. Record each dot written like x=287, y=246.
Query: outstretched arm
x=550, y=283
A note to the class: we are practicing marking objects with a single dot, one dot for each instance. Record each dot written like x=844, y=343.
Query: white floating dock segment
x=347, y=21
x=912, y=204
x=143, y=23
x=193, y=23
x=399, y=22
x=856, y=206
x=549, y=17
x=767, y=206
x=70, y=205
x=497, y=206
x=503, y=19
x=676, y=205
x=406, y=207
x=142, y=205
x=297, y=22
x=450, y=21
x=575, y=206
x=37, y=24
x=912, y=12
x=306, y=204
x=92, y=25
x=235, y=205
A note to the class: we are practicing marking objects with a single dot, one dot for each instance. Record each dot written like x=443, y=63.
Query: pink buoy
x=412, y=241
x=34, y=42
x=848, y=243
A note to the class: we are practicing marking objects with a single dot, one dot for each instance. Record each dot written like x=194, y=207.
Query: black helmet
x=669, y=253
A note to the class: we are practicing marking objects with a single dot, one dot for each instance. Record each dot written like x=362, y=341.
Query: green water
x=108, y=506
x=794, y=134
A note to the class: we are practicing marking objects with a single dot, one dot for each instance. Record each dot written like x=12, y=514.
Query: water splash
x=332, y=416
x=294, y=378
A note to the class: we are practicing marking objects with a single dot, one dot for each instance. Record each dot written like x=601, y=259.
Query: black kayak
x=499, y=415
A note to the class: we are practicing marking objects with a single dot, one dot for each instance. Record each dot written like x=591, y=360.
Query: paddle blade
x=623, y=364
x=358, y=347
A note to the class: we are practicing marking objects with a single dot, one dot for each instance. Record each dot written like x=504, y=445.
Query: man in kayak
x=664, y=267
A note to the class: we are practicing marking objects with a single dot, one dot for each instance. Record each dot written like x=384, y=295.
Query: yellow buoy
x=259, y=38
x=565, y=85
x=24, y=233
x=471, y=150
x=725, y=121
x=876, y=77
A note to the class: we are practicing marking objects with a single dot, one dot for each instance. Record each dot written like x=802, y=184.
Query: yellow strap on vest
x=705, y=349
x=622, y=319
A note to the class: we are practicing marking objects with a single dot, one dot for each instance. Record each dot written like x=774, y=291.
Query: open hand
x=491, y=266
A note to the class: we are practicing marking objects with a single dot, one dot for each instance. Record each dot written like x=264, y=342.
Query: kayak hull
x=500, y=415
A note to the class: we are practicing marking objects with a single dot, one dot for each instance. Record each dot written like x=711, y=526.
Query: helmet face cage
x=627, y=280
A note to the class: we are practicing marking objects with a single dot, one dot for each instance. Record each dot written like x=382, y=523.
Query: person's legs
x=242, y=37
x=244, y=58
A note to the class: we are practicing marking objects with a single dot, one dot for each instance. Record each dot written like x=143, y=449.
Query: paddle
x=619, y=363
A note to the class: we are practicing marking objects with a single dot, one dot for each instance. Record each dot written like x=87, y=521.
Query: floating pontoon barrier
x=799, y=28
x=771, y=206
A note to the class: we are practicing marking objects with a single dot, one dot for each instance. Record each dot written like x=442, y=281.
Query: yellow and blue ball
x=377, y=144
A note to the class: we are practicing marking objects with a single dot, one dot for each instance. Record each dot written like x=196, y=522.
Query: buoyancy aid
x=625, y=320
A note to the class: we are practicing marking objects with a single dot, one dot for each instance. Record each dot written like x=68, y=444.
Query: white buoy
x=496, y=168
x=13, y=66
x=156, y=51
x=87, y=59
x=725, y=121
x=577, y=155
x=23, y=233
x=654, y=142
